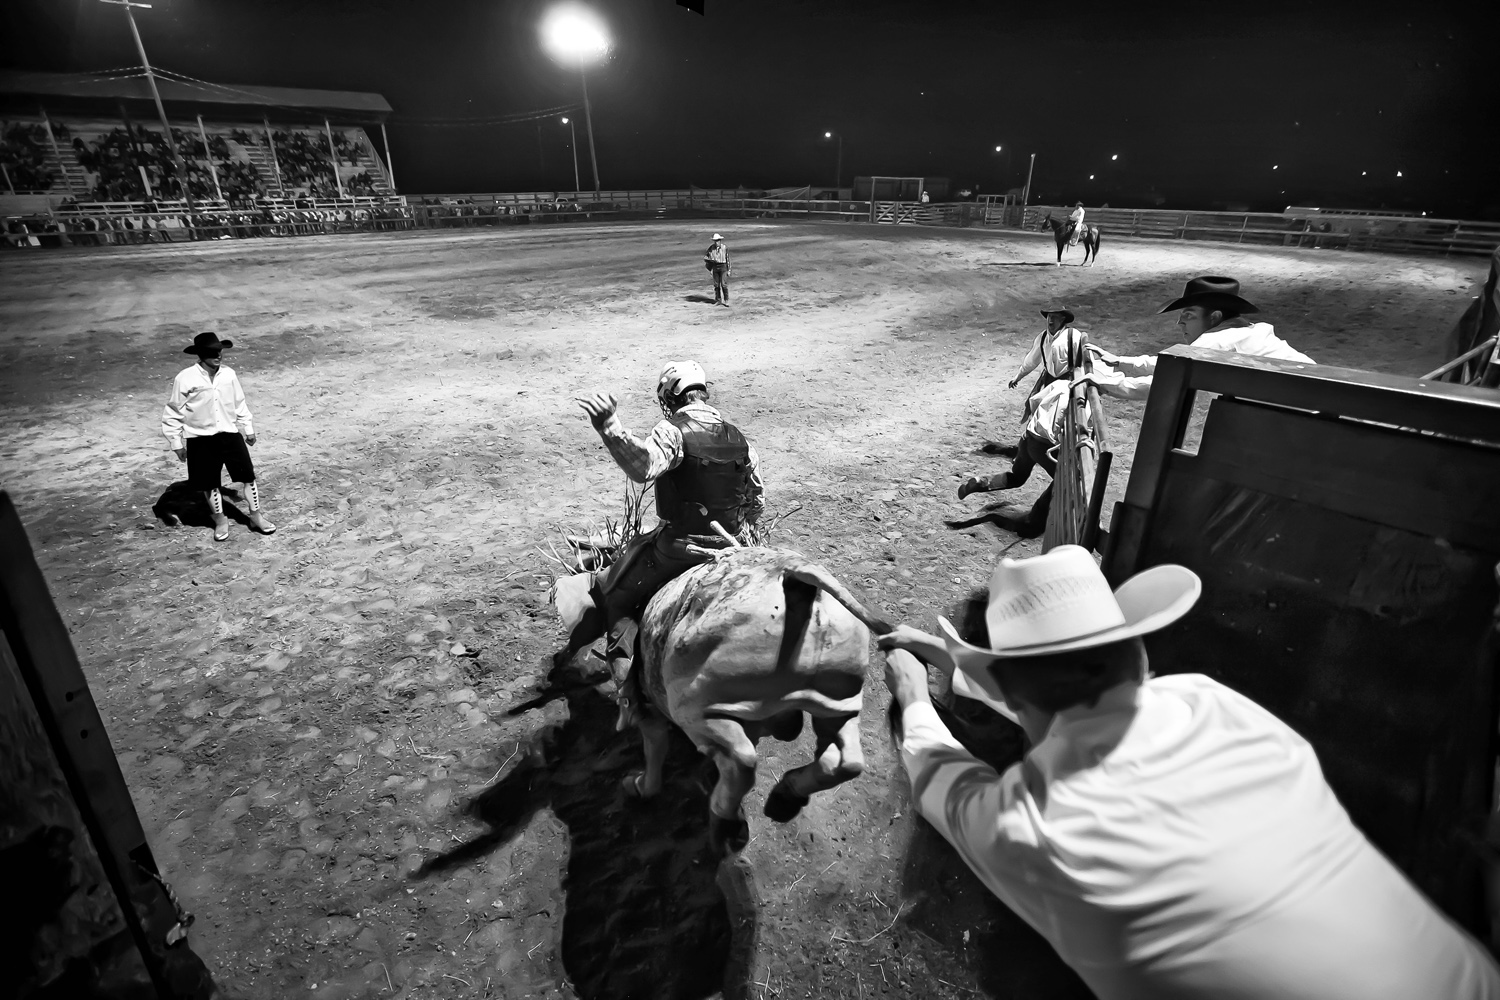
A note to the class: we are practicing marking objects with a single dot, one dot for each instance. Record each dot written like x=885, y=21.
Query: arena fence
x=118, y=223
x=1326, y=230
x=1083, y=464
x=157, y=221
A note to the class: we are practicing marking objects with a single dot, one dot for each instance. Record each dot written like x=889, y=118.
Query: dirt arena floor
x=314, y=724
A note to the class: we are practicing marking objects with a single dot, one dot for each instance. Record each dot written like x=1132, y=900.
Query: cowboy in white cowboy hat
x=1167, y=835
x=716, y=260
x=1211, y=316
x=207, y=424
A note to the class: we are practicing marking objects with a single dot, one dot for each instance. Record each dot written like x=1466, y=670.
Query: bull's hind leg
x=838, y=756
x=732, y=751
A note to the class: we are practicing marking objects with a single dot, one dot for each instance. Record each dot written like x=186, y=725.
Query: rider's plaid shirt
x=645, y=459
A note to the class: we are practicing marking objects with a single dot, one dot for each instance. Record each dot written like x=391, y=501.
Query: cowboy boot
x=620, y=652
x=984, y=484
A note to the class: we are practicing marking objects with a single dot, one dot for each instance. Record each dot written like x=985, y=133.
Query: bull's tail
x=814, y=575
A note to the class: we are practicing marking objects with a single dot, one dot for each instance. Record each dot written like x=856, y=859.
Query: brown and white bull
x=736, y=649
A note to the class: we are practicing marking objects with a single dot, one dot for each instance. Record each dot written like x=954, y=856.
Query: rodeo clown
x=207, y=424
x=706, y=473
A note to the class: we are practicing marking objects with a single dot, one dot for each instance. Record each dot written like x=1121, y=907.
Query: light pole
x=1026, y=191
x=161, y=111
x=573, y=145
x=575, y=36
x=838, y=170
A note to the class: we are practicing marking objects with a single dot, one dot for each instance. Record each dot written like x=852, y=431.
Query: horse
x=1088, y=236
x=736, y=649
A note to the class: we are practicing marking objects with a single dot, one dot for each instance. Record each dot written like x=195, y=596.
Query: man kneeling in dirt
x=705, y=473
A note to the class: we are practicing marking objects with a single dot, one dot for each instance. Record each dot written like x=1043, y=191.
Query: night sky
x=1206, y=104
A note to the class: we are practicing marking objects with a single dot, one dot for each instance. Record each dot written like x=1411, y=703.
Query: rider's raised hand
x=599, y=407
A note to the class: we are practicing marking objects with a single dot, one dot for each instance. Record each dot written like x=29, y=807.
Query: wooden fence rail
x=1325, y=230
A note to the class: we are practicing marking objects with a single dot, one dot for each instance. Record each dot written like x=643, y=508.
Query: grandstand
x=69, y=140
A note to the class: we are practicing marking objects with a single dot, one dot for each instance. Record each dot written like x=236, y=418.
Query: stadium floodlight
x=838, y=170
x=576, y=37
x=166, y=128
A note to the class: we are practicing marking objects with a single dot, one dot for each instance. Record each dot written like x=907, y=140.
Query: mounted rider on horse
x=1075, y=224
x=707, y=480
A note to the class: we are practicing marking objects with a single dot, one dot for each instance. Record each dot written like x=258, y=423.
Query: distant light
x=1091, y=176
x=1364, y=173
x=574, y=35
x=1276, y=166
x=1115, y=157
x=997, y=149
x=1398, y=173
x=565, y=121
x=828, y=135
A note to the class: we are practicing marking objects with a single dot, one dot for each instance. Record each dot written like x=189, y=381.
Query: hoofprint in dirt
x=300, y=716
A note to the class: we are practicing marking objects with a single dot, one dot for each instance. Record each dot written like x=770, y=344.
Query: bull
x=737, y=649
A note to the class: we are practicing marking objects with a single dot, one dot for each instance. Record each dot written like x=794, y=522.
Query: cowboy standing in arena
x=706, y=474
x=1057, y=351
x=1213, y=318
x=1075, y=224
x=1040, y=437
x=207, y=423
x=717, y=262
x=1167, y=835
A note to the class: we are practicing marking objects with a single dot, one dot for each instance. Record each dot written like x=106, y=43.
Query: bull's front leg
x=655, y=732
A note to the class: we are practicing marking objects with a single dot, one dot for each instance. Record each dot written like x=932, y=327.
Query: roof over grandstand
x=180, y=90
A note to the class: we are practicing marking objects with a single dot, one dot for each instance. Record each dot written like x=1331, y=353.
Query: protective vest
x=712, y=483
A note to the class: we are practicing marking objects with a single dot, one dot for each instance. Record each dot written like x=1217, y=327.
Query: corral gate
x=1344, y=526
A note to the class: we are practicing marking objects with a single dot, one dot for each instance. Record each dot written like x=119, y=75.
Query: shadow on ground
x=645, y=915
x=180, y=504
x=1010, y=960
x=1002, y=516
x=699, y=298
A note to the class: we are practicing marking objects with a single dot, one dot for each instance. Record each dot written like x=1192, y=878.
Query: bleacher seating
x=103, y=161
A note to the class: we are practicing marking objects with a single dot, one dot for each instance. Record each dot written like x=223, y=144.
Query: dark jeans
x=721, y=281
x=207, y=455
x=1031, y=451
x=620, y=594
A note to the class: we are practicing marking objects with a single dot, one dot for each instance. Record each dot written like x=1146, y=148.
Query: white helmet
x=678, y=377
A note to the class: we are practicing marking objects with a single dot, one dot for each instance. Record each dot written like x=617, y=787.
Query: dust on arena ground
x=288, y=711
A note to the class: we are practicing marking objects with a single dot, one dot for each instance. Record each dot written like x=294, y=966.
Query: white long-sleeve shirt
x=1048, y=407
x=1179, y=841
x=200, y=406
x=1238, y=336
x=1055, y=353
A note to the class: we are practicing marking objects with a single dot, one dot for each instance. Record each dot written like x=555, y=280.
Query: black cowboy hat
x=207, y=342
x=1063, y=311
x=1212, y=291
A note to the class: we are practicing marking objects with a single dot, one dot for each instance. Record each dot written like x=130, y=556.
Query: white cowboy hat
x=1059, y=602
x=717, y=236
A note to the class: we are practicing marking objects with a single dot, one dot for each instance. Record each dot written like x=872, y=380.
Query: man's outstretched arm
x=642, y=459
